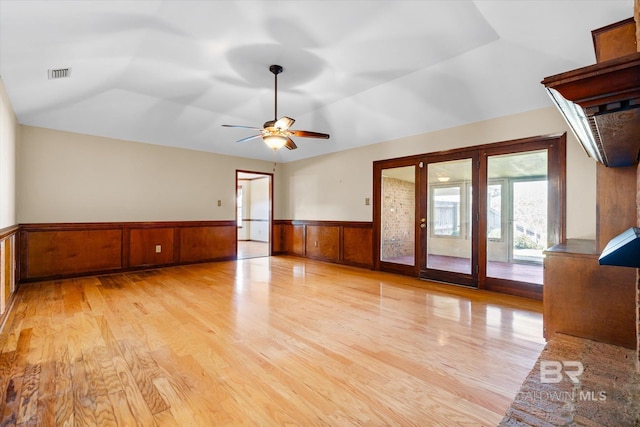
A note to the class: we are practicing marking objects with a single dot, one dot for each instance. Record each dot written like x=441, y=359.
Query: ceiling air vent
x=59, y=73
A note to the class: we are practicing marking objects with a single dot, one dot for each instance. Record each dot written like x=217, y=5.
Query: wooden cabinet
x=581, y=297
x=585, y=299
x=615, y=40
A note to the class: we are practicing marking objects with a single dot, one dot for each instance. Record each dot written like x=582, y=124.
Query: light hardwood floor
x=265, y=341
x=252, y=249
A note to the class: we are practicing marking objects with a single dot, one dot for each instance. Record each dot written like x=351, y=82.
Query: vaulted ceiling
x=172, y=72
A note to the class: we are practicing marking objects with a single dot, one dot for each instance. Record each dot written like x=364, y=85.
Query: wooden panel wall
x=8, y=257
x=323, y=242
x=144, y=243
x=298, y=240
x=207, y=243
x=67, y=252
x=357, y=246
x=343, y=242
x=64, y=250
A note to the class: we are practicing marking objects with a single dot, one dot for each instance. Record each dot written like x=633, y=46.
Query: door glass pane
x=517, y=215
x=397, y=240
x=529, y=220
x=448, y=218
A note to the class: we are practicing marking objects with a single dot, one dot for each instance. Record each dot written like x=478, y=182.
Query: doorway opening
x=254, y=212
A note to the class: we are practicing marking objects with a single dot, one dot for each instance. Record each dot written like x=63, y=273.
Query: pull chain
x=275, y=153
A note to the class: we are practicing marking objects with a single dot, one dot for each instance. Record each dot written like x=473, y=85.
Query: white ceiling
x=172, y=72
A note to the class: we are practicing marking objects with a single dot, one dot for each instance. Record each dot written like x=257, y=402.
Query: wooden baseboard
x=4, y=316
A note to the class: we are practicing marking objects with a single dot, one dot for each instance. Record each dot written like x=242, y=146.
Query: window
x=494, y=213
x=446, y=211
x=239, y=197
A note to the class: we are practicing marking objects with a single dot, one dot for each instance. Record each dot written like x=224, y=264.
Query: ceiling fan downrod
x=275, y=69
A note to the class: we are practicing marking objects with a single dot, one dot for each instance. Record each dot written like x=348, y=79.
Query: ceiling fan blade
x=249, y=138
x=308, y=134
x=290, y=144
x=284, y=123
x=240, y=126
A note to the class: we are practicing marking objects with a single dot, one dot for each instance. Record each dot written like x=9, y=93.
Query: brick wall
x=398, y=218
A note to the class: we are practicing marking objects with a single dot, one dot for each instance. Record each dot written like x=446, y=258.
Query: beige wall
x=9, y=133
x=68, y=177
x=334, y=186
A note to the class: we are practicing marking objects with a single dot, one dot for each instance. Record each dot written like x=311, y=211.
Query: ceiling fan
x=276, y=133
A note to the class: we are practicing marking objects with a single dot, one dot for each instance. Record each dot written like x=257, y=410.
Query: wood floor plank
x=137, y=404
x=64, y=409
x=143, y=379
x=11, y=408
x=209, y=403
x=6, y=365
x=46, y=415
x=264, y=341
x=98, y=391
x=121, y=409
x=180, y=412
x=29, y=397
x=107, y=370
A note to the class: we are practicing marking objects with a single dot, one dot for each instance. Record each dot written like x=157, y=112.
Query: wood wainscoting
x=342, y=242
x=8, y=260
x=75, y=249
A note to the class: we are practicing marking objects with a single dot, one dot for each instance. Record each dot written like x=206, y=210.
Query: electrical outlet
x=158, y=249
x=367, y=201
x=316, y=243
x=219, y=202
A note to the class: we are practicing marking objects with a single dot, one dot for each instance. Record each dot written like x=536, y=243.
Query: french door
x=477, y=217
x=396, y=208
x=448, y=218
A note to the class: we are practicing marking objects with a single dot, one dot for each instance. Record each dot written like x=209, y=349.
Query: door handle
x=423, y=225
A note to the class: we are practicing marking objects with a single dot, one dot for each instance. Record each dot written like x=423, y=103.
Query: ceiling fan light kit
x=276, y=133
x=275, y=142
